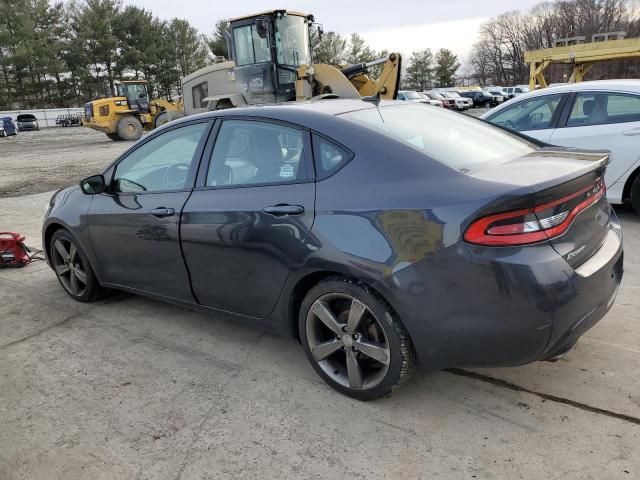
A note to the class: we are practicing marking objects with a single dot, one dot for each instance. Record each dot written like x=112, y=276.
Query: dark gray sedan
x=380, y=236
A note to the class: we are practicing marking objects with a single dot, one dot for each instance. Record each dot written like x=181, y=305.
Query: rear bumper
x=470, y=306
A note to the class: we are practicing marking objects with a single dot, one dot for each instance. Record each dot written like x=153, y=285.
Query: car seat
x=595, y=111
x=266, y=154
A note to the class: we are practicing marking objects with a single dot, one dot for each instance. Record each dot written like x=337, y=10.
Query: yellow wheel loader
x=127, y=115
x=271, y=62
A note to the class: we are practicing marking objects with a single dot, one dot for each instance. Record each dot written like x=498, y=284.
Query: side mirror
x=320, y=32
x=93, y=185
x=262, y=27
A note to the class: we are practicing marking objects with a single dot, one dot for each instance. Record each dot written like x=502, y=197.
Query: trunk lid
x=568, y=189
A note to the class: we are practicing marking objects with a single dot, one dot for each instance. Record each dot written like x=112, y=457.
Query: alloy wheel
x=347, y=341
x=69, y=267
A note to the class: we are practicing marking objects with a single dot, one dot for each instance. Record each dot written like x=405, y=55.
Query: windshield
x=462, y=143
x=453, y=95
x=292, y=41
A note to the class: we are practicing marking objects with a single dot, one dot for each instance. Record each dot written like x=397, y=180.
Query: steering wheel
x=176, y=175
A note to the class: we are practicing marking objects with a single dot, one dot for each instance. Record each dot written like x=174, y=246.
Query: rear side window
x=532, y=114
x=462, y=143
x=603, y=108
x=328, y=156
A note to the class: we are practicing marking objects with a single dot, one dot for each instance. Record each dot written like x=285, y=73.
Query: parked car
x=8, y=128
x=446, y=102
x=412, y=96
x=345, y=223
x=481, y=98
x=496, y=91
x=27, y=122
x=429, y=100
x=461, y=103
x=515, y=91
x=600, y=114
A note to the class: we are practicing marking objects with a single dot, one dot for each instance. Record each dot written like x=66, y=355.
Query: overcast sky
x=409, y=25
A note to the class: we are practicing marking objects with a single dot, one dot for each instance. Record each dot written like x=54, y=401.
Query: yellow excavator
x=271, y=62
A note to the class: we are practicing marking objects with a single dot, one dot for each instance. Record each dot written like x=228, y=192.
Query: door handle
x=632, y=132
x=161, y=212
x=282, y=210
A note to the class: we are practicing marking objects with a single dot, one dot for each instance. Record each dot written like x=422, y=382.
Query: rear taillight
x=536, y=224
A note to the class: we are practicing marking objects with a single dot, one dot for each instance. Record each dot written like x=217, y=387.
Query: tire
x=114, y=137
x=72, y=268
x=129, y=128
x=337, y=353
x=487, y=104
x=635, y=194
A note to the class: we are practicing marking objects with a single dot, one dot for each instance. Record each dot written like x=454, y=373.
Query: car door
x=249, y=216
x=604, y=120
x=134, y=226
x=534, y=116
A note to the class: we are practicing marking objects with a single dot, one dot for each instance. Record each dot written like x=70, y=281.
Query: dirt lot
x=34, y=162
x=130, y=388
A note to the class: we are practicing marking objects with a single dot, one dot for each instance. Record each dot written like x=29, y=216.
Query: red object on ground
x=13, y=252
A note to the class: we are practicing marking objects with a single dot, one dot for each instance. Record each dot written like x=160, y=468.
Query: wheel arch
x=49, y=231
x=626, y=192
x=306, y=283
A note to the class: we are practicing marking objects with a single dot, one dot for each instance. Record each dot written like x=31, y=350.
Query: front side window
x=161, y=164
x=292, y=41
x=532, y=114
x=603, y=108
x=199, y=93
x=249, y=46
x=256, y=152
x=462, y=143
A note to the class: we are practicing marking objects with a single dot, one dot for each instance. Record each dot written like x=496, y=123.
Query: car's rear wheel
x=635, y=194
x=73, y=269
x=354, y=339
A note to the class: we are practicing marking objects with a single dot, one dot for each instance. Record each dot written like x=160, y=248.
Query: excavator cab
x=268, y=48
x=136, y=93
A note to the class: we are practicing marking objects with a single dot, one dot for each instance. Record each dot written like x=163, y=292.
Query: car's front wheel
x=73, y=269
x=354, y=339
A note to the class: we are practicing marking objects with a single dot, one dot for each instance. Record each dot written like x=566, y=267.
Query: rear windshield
x=460, y=142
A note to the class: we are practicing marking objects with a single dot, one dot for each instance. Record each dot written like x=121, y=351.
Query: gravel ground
x=35, y=162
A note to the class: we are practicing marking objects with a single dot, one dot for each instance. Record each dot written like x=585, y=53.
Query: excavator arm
x=352, y=81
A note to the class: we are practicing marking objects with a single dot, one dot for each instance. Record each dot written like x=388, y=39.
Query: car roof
x=26, y=115
x=311, y=113
x=615, y=85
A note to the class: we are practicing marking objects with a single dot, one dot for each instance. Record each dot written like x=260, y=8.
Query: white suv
x=512, y=92
x=601, y=114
